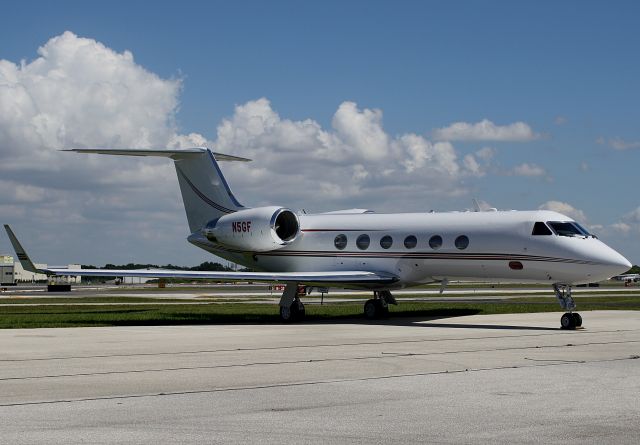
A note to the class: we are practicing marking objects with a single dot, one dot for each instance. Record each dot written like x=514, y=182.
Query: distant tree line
x=206, y=266
x=634, y=269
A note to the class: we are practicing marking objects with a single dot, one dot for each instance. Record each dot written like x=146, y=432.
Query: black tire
x=375, y=309
x=299, y=311
x=371, y=311
x=286, y=314
x=567, y=321
x=577, y=319
x=383, y=309
x=293, y=313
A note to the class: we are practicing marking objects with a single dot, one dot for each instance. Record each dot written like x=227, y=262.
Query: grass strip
x=21, y=316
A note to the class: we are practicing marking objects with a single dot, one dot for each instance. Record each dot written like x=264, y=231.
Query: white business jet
x=361, y=249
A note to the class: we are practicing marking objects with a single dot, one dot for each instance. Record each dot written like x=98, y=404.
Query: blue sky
x=568, y=70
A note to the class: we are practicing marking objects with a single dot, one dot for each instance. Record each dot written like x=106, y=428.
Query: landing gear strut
x=291, y=308
x=378, y=306
x=570, y=320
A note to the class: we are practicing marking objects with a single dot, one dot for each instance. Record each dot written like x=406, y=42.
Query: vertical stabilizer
x=24, y=259
x=205, y=192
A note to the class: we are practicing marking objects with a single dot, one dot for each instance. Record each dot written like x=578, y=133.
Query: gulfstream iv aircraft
x=361, y=249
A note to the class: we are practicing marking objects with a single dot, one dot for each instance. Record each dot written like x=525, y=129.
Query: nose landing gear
x=570, y=320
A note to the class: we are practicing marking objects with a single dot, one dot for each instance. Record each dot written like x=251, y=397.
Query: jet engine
x=258, y=230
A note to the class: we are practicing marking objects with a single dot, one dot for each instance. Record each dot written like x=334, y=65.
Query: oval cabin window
x=363, y=242
x=386, y=242
x=340, y=242
x=410, y=242
x=462, y=242
x=435, y=242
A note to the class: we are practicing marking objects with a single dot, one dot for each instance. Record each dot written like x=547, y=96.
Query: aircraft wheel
x=286, y=314
x=374, y=309
x=300, y=312
x=370, y=310
x=567, y=321
x=293, y=313
x=577, y=319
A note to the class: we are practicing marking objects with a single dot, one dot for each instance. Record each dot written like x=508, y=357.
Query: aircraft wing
x=325, y=278
x=356, y=277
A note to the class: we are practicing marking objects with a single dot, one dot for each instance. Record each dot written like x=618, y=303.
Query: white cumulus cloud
x=77, y=92
x=565, y=209
x=560, y=120
x=526, y=169
x=621, y=144
x=355, y=158
x=621, y=227
x=485, y=130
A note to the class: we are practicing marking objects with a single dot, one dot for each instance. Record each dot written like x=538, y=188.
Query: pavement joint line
x=383, y=355
x=309, y=383
x=326, y=345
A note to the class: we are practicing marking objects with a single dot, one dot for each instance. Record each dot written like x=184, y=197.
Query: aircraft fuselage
x=426, y=247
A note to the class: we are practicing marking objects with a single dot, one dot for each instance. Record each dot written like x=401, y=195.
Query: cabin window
x=435, y=242
x=462, y=242
x=363, y=242
x=540, y=228
x=410, y=242
x=340, y=242
x=566, y=228
x=386, y=242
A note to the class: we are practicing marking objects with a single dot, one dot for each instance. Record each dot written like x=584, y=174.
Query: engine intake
x=258, y=230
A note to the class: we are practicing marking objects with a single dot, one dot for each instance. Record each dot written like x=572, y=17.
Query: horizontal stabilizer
x=173, y=154
x=336, y=277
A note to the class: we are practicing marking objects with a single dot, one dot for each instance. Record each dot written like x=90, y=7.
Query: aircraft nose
x=615, y=263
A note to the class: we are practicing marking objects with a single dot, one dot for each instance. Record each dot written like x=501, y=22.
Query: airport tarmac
x=478, y=379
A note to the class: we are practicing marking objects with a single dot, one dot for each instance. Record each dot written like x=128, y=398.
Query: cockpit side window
x=540, y=228
x=567, y=228
x=584, y=231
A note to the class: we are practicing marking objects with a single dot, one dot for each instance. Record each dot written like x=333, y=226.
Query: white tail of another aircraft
x=205, y=192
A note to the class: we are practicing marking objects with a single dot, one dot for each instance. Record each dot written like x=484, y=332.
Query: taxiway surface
x=494, y=378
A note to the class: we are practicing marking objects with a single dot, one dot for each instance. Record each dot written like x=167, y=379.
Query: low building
x=6, y=270
x=137, y=280
x=24, y=276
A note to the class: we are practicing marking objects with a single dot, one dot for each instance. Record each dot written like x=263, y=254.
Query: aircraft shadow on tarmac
x=429, y=324
x=427, y=320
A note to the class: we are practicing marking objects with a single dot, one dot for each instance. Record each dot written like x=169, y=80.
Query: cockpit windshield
x=568, y=228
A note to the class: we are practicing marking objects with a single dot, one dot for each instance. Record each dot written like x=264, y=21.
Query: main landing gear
x=570, y=320
x=378, y=306
x=291, y=308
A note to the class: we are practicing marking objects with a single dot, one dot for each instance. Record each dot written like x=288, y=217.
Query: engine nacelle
x=258, y=230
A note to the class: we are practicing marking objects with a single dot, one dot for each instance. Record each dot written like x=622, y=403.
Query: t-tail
x=205, y=192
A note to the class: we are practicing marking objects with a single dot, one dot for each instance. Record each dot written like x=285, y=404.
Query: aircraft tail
x=205, y=192
x=24, y=259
